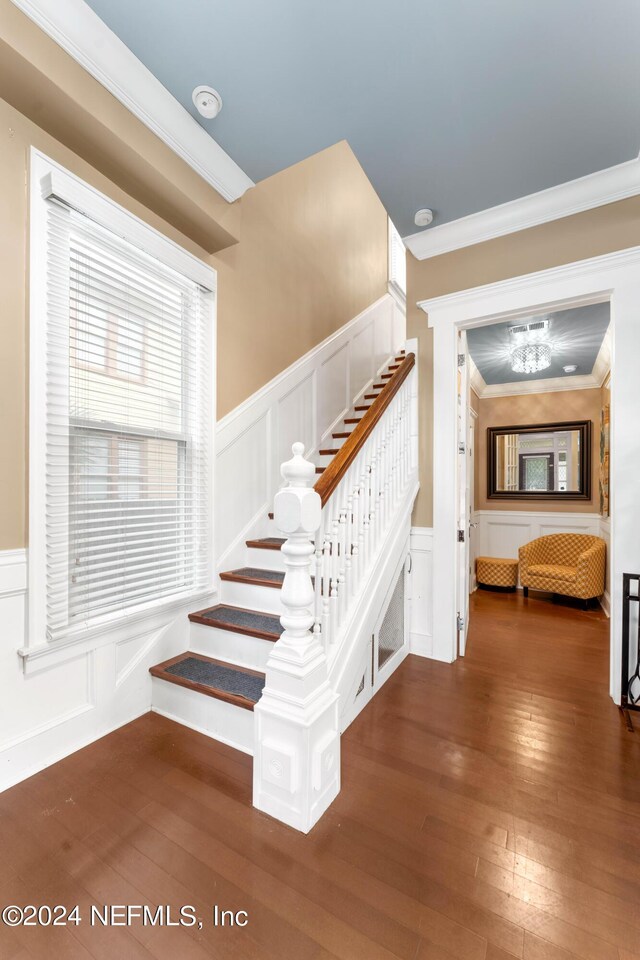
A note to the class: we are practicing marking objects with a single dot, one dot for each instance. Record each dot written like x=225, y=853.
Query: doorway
x=611, y=279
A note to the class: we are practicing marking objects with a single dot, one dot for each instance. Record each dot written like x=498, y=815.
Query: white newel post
x=296, y=770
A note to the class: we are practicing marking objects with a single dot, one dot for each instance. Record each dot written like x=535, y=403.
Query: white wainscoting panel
x=58, y=703
x=502, y=532
x=421, y=547
x=303, y=403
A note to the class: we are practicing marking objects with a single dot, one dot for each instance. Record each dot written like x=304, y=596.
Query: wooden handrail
x=336, y=470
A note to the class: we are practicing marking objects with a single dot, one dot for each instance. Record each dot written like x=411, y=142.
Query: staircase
x=215, y=685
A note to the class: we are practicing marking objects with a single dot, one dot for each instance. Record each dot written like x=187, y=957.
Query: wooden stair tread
x=365, y=407
x=328, y=453
x=386, y=376
x=379, y=386
x=266, y=543
x=214, y=678
x=352, y=419
x=255, y=575
x=251, y=623
x=320, y=469
x=371, y=396
x=340, y=436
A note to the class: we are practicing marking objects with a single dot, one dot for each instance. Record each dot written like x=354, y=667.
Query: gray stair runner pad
x=245, y=618
x=219, y=677
x=255, y=573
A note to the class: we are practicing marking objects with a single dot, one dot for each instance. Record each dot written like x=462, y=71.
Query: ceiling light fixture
x=423, y=217
x=530, y=350
x=208, y=101
x=531, y=357
x=570, y=368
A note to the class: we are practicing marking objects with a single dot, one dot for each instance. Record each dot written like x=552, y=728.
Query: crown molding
x=517, y=388
x=551, y=385
x=75, y=27
x=594, y=190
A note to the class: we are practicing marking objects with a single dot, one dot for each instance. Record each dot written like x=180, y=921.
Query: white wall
x=303, y=403
x=421, y=587
x=54, y=704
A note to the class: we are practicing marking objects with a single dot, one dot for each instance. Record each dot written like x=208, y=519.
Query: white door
x=463, y=494
x=471, y=453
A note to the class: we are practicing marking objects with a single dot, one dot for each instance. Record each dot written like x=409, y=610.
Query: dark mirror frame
x=584, y=493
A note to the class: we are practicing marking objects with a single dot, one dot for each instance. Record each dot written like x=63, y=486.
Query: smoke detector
x=208, y=102
x=570, y=368
x=423, y=217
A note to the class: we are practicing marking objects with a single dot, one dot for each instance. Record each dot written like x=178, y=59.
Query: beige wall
x=297, y=256
x=528, y=410
x=589, y=234
x=312, y=254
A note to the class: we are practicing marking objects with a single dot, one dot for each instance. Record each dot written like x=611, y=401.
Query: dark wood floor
x=490, y=809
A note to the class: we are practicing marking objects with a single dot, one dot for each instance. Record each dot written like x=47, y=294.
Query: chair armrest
x=594, y=557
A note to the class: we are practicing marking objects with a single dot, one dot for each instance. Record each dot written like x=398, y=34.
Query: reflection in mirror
x=539, y=461
x=543, y=461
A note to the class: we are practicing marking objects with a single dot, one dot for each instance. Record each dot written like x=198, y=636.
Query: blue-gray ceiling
x=576, y=337
x=457, y=105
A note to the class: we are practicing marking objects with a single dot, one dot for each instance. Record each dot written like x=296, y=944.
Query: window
x=397, y=264
x=122, y=386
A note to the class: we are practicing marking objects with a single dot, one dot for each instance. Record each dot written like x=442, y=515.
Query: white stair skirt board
x=246, y=651
x=222, y=721
x=306, y=403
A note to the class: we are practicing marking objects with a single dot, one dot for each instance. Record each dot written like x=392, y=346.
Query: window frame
x=49, y=179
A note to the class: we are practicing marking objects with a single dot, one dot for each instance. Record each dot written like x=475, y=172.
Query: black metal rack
x=630, y=698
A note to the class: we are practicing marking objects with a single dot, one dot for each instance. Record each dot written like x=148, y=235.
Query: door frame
x=612, y=278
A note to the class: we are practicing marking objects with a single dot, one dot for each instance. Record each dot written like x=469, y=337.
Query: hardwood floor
x=490, y=809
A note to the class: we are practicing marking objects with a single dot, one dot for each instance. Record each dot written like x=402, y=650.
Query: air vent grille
x=536, y=326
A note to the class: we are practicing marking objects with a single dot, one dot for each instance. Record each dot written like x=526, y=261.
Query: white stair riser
x=215, y=718
x=264, y=559
x=232, y=647
x=252, y=597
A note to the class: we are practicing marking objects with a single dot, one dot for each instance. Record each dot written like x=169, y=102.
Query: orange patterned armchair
x=572, y=564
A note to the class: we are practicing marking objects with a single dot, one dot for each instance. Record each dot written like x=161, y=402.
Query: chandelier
x=531, y=357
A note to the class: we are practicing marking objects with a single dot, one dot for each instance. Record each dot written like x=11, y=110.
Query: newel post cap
x=298, y=472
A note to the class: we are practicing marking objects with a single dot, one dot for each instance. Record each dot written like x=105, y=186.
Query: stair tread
x=340, y=436
x=328, y=453
x=255, y=575
x=253, y=623
x=266, y=543
x=214, y=678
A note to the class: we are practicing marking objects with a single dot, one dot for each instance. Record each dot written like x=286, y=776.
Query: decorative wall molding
x=304, y=402
x=421, y=632
x=594, y=190
x=13, y=573
x=75, y=27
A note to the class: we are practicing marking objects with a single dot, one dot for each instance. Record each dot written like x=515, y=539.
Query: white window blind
x=128, y=420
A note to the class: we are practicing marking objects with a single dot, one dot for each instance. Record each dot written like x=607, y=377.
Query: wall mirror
x=545, y=461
